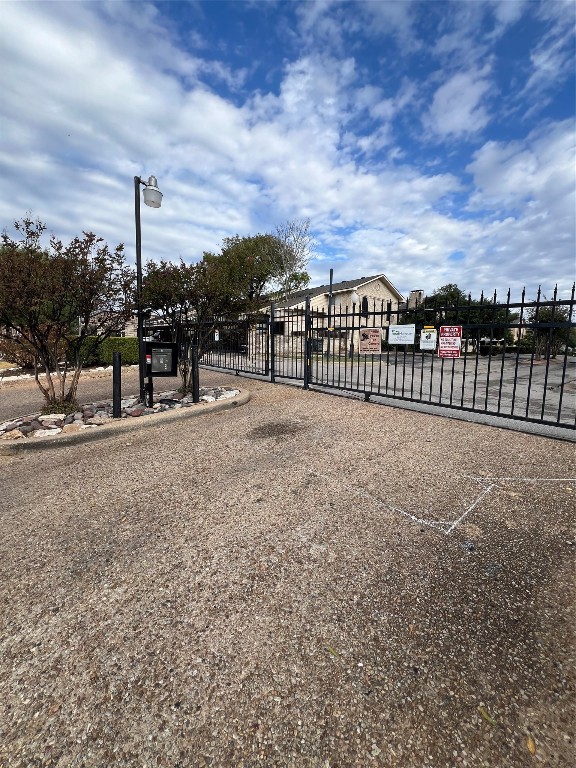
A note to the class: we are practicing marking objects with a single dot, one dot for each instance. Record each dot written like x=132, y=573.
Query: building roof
x=346, y=285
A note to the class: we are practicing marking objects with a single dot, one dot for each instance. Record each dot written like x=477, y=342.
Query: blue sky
x=432, y=141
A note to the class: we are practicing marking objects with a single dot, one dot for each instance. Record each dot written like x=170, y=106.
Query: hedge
x=102, y=353
x=126, y=345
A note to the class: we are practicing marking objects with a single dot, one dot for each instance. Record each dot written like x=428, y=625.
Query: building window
x=278, y=328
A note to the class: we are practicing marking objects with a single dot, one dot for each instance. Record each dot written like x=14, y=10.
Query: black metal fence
x=508, y=359
x=515, y=359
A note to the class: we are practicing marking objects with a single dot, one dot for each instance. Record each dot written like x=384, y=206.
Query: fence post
x=270, y=341
x=307, y=344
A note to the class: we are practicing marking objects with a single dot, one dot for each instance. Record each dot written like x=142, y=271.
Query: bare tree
x=295, y=251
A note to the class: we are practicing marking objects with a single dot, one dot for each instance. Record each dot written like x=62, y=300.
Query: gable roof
x=345, y=285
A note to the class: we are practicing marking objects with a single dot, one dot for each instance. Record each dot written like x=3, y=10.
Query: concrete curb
x=129, y=424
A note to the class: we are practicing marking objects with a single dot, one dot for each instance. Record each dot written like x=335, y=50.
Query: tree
x=191, y=297
x=52, y=298
x=550, y=328
x=232, y=283
x=295, y=251
x=481, y=318
x=168, y=289
x=246, y=267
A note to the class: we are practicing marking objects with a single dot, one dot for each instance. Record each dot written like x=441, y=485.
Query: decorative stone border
x=54, y=431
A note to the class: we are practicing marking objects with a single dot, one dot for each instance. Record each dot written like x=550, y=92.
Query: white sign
x=401, y=334
x=428, y=338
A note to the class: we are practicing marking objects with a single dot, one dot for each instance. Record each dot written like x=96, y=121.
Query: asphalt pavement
x=303, y=580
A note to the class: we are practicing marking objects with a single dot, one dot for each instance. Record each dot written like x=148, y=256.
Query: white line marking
x=472, y=506
x=438, y=524
x=526, y=479
x=447, y=526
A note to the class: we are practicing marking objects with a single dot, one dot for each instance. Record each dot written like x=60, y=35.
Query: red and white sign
x=450, y=343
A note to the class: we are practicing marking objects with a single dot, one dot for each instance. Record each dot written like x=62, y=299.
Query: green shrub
x=90, y=351
x=526, y=345
x=126, y=345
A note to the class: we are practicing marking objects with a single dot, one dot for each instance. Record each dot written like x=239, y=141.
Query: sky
x=433, y=142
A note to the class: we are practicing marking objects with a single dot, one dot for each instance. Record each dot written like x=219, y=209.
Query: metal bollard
x=116, y=385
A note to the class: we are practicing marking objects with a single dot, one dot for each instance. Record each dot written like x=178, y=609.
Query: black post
x=116, y=385
x=140, y=332
x=352, y=334
x=329, y=314
x=195, y=375
x=272, y=344
x=307, y=345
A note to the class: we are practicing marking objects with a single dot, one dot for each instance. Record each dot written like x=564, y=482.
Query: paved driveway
x=302, y=581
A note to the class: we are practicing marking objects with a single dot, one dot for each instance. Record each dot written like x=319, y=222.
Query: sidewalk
x=300, y=581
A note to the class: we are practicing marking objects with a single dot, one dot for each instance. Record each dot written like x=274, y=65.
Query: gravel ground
x=301, y=581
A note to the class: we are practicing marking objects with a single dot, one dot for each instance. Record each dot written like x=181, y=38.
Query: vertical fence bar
x=505, y=329
x=271, y=344
x=548, y=351
x=490, y=348
x=465, y=341
x=381, y=326
x=307, y=344
x=534, y=326
x=518, y=346
x=570, y=320
x=479, y=330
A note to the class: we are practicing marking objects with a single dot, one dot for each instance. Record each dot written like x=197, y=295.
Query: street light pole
x=152, y=198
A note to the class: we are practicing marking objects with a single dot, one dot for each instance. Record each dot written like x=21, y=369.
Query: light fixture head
x=355, y=299
x=152, y=195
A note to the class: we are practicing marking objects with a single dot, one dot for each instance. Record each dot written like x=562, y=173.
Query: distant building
x=375, y=294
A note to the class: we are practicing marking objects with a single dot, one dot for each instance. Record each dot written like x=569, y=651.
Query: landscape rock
x=93, y=415
x=14, y=434
x=11, y=425
x=46, y=432
x=73, y=427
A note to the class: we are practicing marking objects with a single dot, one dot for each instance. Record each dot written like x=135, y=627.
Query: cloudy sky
x=431, y=141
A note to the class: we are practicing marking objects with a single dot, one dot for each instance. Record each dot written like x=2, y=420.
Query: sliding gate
x=517, y=360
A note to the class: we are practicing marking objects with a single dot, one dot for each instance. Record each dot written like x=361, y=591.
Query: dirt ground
x=304, y=580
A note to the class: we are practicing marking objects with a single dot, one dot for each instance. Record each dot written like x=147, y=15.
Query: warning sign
x=370, y=341
x=450, y=344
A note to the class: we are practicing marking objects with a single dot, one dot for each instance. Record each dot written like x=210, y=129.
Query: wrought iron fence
x=515, y=359
x=508, y=359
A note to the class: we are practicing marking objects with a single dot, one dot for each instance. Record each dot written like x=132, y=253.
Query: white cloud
x=539, y=170
x=457, y=106
x=96, y=93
